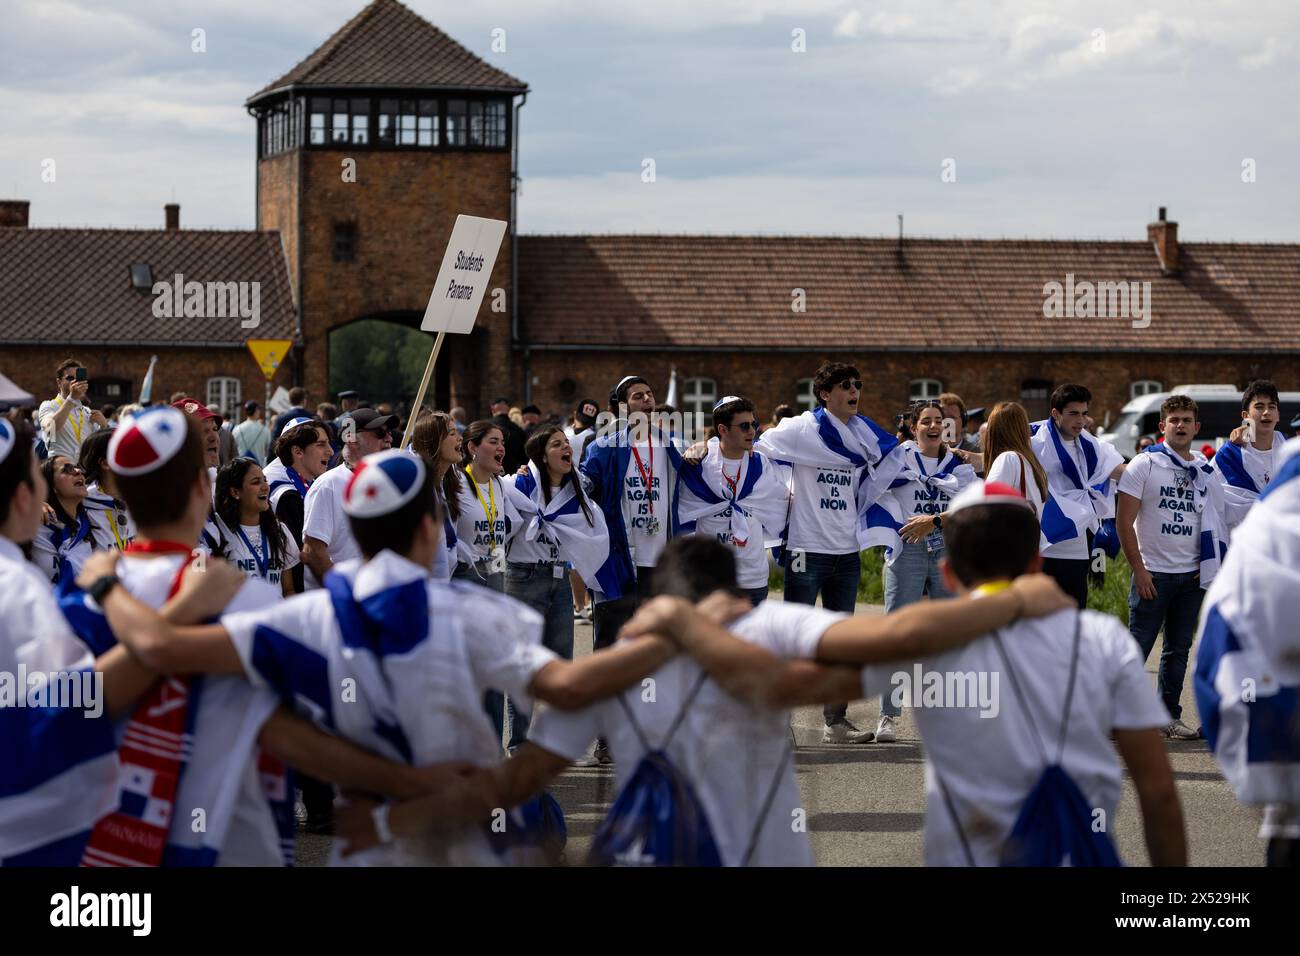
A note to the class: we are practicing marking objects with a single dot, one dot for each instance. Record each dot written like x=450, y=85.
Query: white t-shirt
x=1168, y=527
x=221, y=775
x=1262, y=465
x=989, y=764
x=1075, y=548
x=1006, y=469
x=641, y=511
x=751, y=556
x=324, y=519
x=112, y=522
x=730, y=751
x=824, y=512
x=77, y=427
x=245, y=551
x=483, y=526
x=419, y=695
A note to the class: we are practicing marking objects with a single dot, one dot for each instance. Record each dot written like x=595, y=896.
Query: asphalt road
x=866, y=802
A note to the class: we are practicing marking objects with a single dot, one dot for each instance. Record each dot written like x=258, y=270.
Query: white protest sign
x=463, y=278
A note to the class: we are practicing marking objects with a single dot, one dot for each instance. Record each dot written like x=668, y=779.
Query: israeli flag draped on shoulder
x=761, y=493
x=58, y=764
x=583, y=543
x=1077, y=501
x=282, y=478
x=1208, y=502
x=1242, y=479
x=885, y=517
x=1247, y=678
x=820, y=440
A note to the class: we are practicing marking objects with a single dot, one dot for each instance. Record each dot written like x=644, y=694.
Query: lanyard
x=647, y=477
x=114, y=516
x=992, y=587
x=73, y=419
x=299, y=485
x=488, y=509
x=264, y=561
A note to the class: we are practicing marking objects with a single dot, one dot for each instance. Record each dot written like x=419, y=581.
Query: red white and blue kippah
x=989, y=493
x=382, y=483
x=7, y=439
x=147, y=441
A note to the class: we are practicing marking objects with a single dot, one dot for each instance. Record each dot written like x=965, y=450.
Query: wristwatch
x=938, y=522
x=101, y=586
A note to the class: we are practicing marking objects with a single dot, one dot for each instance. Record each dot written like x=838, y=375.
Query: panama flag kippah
x=6, y=439
x=383, y=483
x=988, y=493
x=149, y=440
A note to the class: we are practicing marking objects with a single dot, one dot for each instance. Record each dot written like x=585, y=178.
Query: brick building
x=369, y=148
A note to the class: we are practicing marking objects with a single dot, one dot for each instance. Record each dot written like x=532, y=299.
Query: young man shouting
x=1248, y=461
x=1170, y=525
x=1078, y=471
x=840, y=462
x=736, y=494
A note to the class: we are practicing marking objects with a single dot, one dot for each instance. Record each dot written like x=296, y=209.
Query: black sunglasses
x=747, y=426
x=68, y=468
x=851, y=383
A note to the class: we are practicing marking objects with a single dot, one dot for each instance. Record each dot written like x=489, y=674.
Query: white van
x=1218, y=406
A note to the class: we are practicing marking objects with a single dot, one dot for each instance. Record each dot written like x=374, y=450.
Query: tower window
x=408, y=122
x=142, y=276
x=345, y=242
x=476, y=123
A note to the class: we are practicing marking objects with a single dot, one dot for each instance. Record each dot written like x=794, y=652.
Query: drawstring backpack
x=1054, y=826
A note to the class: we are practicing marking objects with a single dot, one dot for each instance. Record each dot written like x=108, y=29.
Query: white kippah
x=988, y=493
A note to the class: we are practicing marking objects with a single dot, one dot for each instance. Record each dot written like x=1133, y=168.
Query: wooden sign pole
x=424, y=385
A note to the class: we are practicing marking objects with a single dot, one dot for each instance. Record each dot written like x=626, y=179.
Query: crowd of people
x=382, y=620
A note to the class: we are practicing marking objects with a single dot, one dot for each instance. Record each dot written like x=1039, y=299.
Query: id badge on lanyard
x=934, y=541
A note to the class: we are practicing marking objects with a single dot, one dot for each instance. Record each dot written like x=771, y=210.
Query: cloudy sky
x=1060, y=118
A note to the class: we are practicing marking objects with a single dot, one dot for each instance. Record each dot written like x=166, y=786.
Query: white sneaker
x=841, y=731
x=887, y=729
x=587, y=760
x=1180, y=731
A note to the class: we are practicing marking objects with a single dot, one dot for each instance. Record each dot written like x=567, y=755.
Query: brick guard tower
x=367, y=151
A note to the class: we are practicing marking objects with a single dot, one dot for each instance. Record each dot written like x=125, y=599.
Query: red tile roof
x=948, y=294
x=387, y=44
x=73, y=286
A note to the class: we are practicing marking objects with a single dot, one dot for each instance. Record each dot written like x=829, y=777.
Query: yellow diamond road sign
x=269, y=353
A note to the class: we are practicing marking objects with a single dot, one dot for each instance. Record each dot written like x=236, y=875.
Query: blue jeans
x=1176, y=606
x=756, y=595
x=537, y=586
x=914, y=574
x=836, y=577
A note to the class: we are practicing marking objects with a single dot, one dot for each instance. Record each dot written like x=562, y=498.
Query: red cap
x=194, y=407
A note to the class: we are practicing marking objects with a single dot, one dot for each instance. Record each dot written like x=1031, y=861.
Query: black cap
x=369, y=420
x=582, y=415
x=531, y=410
x=500, y=400
x=349, y=393
x=250, y=407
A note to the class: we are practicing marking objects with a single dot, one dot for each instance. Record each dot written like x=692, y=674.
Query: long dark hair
x=231, y=478
x=430, y=432
x=94, y=456
x=68, y=521
x=475, y=434
x=535, y=449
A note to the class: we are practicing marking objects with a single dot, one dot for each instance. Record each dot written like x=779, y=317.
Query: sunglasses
x=69, y=469
x=746, y=426
x=851, y=383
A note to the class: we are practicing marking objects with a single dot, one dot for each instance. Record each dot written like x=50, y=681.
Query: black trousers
x=1072, y=575
x=608, y=617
